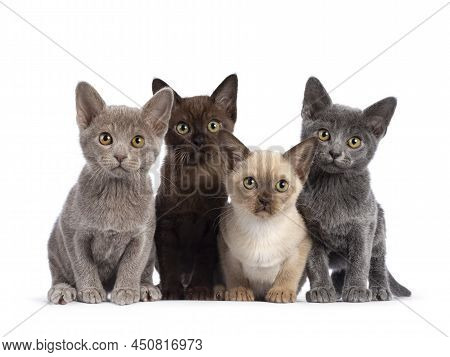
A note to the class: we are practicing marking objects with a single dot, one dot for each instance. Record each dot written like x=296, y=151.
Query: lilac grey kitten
x=345, y=221
x=103, y=239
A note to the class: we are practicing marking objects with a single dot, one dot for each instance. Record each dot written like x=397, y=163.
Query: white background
x=273, y=47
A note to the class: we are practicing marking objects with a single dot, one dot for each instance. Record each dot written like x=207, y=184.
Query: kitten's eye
x=249, y=183
x=213, y=126
x=282, y=186
x=182, y=128
x=105, y=139
x=324, y=135
x=354, y=142
x=138, y=142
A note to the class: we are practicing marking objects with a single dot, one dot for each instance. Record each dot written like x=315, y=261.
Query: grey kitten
x=103, y=239
x=345, y=221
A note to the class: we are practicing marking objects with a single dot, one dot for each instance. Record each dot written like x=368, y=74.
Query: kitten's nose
x=120, y=158
x=334, y=154
x=264, y=201
x=198, y=140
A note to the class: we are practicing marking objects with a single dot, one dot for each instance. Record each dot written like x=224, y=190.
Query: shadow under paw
x=62, y=294
x=356, y=294
x=321, y=295
x=150, y=292
x=380, y=294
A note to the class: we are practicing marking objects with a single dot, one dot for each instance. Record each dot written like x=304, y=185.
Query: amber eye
x=324, y=135
x=105, y=139
x=213, y=126
x=138, y=142
x=249, y=183
x=354, y=142
x=182, y=128
x=282, y=186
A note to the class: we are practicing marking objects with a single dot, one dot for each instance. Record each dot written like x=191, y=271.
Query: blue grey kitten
x=103, y=239
x=345, y=221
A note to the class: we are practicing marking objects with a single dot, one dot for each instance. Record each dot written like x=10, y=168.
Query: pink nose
x=120, y=158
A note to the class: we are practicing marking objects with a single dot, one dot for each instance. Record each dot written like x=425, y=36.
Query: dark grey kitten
x=345, y=221
x=103, y=239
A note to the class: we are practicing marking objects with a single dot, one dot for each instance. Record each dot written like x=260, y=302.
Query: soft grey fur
x=345, y=221
x=103, y=239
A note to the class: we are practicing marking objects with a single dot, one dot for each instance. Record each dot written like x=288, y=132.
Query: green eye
x=213, y=126
x=182, y=128
x=138, y=142
x=354, y=142
x=249, y=183
x=324, y=135
x=282, y=186
x=105, y=139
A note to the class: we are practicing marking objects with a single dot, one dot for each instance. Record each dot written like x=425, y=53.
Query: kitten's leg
x=285, y=286
x=89, y=286
x=61, y=292
x=202, y=283
x=237, y=285
x=322, y=290
x=359, y=253
x=134, y=259
x=378, y=274
x=149, y=292
x=168, y=263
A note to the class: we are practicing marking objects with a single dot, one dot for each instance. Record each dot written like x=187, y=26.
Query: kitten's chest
x=108, y=247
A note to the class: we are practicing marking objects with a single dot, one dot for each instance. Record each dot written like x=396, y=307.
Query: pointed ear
x=225, y=95
x=301, y=157
x=378, y=115
x=232, y=148
x=315, y=99
x=157, y=111
x=159, y=84
x=89, y=104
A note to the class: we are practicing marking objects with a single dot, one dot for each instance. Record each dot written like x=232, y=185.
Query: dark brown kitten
x=191, y=194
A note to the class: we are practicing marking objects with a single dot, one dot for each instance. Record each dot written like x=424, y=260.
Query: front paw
x=62, y=294
x=150, y=292
x=92, y=295
x=323, y=294
x=239, y=294
x=380, y=294
x=219, y=292
x=172, y=294
x=356, y=294
x=124, y=296
x=198, y=293
x=281, y=295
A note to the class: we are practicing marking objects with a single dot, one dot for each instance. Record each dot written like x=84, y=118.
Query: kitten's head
x=118, y=140
x=196, y=121
x=348, y=137
x=265, y=183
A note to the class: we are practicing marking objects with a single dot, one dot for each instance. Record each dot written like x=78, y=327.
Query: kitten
x=191, y=193
x=345, y=221
x=103, y=239
x=263, y=241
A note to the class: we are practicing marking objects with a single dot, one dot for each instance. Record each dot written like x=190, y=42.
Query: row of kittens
x=227, y=223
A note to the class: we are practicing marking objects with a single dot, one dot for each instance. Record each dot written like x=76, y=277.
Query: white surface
x=273, y=47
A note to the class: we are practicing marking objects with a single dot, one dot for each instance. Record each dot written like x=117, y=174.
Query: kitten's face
x=118, y=140
x=348, y=137
x=264, y=184
x=196, y=122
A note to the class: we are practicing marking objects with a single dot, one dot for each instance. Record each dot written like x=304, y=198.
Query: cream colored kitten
x=263, y=241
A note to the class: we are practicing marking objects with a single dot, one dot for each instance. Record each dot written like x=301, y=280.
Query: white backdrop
x=119, y=46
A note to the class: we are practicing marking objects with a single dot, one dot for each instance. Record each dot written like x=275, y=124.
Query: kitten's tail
x=396, y=288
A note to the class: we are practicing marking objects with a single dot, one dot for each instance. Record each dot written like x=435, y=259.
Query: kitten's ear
x=232, y=148
x=225, y=95
x=301, y=157
x=88, y=103
x=315, y=98
x=378, y=116
x=159, y=84
x=157, y=111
